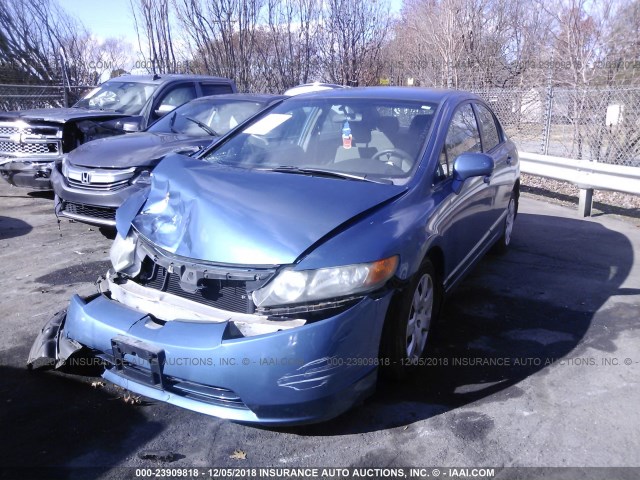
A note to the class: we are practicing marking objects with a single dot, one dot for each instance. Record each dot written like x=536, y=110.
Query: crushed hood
x=60, y=115
x=221, y=214
x=134, y=149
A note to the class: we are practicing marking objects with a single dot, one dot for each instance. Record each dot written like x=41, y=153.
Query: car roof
x=164, y=78
x=241, y=97
x=311, y=87
x=418, y=94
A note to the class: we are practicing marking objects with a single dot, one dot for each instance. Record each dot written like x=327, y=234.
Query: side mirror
x=470, y=165
x=163, y=109
x=133, y=124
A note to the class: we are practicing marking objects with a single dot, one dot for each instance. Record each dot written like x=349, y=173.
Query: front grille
x=102, y=187
x=29, y=148
x=8, y=130
x=230, y=295
x=104, y=213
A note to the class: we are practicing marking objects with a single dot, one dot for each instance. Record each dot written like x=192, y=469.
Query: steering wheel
x=390, y=153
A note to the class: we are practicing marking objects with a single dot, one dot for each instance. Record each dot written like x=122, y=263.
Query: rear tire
x=502, y=245
x=409, y=323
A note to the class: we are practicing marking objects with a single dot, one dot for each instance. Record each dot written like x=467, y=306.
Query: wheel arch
x=436, y=255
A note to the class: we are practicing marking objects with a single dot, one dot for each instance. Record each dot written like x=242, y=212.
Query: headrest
x=420, y=123
x=389, y=125
x=361, y=131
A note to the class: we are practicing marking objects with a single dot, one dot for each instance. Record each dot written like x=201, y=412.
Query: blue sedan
x=272, y=279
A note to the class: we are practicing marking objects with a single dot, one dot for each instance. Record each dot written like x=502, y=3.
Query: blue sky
x=110, y=18
x=113, y=18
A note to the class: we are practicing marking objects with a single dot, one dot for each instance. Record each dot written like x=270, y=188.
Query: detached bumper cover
x=299, y=375
x=49, y=349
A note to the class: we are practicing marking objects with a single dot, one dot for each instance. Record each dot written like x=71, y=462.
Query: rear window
x=215, y=89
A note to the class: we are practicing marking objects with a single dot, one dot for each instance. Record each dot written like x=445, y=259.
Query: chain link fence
x=24, y=97
x=601, y=125
x=597, y=124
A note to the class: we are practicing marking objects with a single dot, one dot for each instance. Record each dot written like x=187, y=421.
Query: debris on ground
x=238, y=455
x=159, y=455
x=130, y=399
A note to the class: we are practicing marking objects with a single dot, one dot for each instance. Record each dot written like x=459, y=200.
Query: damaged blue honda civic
x=273, y=278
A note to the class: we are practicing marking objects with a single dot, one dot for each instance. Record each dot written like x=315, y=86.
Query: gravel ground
x=623, y=205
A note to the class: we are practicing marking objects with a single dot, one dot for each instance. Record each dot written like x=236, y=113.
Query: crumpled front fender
x=50, y=346
x=128, y=210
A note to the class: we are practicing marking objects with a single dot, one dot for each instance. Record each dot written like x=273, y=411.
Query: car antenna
x=156, y=76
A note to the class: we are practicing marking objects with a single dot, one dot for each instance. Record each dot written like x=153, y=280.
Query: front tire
x=410, y=319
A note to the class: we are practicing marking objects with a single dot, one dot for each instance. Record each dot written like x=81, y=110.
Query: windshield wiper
x=325, y=173
x=203, y=126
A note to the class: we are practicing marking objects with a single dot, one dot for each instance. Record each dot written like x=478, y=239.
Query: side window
x=175, y=97
x=490, y=135
x=215, y=89
x=463, y=135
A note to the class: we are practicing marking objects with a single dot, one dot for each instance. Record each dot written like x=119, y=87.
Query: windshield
x=206, y=117
x=122, y=97
x=367, y=138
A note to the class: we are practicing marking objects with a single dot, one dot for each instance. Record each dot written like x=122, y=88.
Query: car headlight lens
x=291, y=286
x=143, y=178
x=123, y=253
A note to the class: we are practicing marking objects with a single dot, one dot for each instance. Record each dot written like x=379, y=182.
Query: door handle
x=509, y=160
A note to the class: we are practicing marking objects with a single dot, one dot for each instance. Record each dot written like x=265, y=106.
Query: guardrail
x=587, y=176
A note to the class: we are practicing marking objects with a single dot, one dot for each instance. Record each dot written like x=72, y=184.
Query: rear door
x=493, y=144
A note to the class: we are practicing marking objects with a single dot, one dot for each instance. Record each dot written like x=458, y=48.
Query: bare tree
x=222, y=35
x=578, y=40
x=622, y=57
x=430, y=35
x=153, y=27
x=579, y=35
x=288, y=47
x=354, y=33
x=97, y=59
x=35, y=36
x=468, y=43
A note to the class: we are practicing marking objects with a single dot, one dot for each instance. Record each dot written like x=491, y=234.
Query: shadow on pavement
x=13, y=227
x=512, y=317
x=48, y=421
x=79, y=272
x=46, y=194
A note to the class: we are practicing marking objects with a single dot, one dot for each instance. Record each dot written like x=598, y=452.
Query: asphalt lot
x=542, y=348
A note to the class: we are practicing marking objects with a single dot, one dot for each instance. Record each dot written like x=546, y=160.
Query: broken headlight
x=291, y=286
x=123, y=254
x=143, y=178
